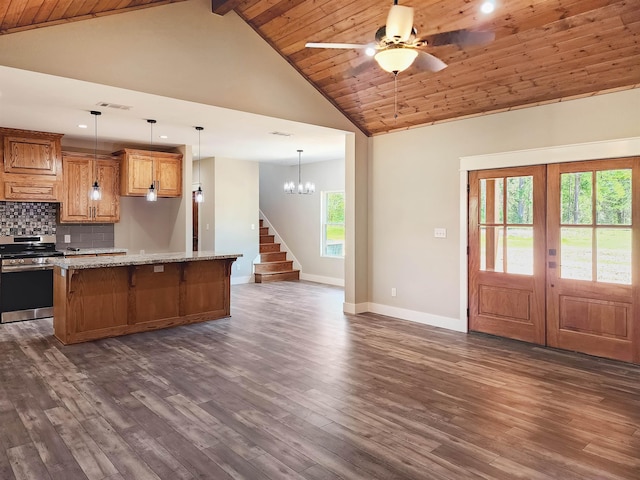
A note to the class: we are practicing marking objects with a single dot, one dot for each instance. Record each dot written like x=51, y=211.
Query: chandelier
x=305, y=189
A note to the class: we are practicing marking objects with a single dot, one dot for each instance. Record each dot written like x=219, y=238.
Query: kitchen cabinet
x=140, y=168
x=80, y=171
x=32, y=165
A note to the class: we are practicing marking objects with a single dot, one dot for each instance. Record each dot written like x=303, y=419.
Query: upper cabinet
x=80, y=171
x=32, y=165
x=141, y=168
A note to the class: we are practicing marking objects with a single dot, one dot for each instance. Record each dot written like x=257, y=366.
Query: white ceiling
x=36, y=101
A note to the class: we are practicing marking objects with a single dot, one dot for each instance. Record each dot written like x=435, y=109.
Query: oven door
x=26, y=294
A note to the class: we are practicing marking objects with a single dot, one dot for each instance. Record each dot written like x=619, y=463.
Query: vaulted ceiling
x=544, y=51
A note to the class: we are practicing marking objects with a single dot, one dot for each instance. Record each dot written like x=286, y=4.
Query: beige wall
x=297, y=217
x=415, y=188
x=236, y=213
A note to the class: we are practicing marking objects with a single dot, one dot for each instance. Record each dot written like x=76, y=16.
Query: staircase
x=273, y=266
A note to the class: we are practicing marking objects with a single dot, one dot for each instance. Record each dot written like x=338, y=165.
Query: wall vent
x=113, y=105
x=281, y=134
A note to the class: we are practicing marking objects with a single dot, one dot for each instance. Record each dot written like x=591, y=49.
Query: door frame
x=625, y=147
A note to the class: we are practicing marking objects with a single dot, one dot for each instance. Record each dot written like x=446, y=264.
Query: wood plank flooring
x=290, y=388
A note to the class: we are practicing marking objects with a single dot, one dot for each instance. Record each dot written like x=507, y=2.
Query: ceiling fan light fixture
x=399, y=23
x=396, y=60
x=370, y=51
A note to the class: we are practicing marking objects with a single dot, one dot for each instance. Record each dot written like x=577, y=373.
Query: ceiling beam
x=222, y=7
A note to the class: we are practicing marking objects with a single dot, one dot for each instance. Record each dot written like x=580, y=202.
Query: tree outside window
x=333, y=224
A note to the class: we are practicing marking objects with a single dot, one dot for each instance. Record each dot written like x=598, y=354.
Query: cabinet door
x=108, y=207
x=140, y=174
x=77, y=185
x=169, y=177
x=30, y=156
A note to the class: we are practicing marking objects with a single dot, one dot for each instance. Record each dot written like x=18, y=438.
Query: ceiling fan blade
x=399, y=23
x=335, y=45
x=426, y=61
x=462, y=38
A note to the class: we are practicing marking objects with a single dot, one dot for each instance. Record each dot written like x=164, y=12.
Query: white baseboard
x=355, y=308
x=449, y=323
x=239, y=280
x=338, y=282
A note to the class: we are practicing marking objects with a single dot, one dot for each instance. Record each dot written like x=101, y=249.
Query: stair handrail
x=296, y=263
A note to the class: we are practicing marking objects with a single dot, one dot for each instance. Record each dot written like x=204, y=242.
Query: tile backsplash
x=39, y=218
x=90, y=235
x=27, y=218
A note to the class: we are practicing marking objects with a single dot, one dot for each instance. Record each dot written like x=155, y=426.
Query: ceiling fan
x=398, y=46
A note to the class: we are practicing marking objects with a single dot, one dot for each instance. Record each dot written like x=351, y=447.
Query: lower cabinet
x=80, y=171
x=106, y=302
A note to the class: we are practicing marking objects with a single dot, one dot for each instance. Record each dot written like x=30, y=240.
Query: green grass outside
x=335, y=233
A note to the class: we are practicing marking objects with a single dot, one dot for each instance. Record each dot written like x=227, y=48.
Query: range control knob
x=12, y=261
x=21, y=260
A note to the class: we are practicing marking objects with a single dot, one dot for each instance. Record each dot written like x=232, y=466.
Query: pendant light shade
x=152, y=193
x=95, y=193
x=199, y=198
x=301, y=188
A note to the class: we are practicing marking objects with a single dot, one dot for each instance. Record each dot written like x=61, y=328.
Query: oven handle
x=24, y=268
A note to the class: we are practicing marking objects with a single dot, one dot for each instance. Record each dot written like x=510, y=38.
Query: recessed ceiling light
x=488, y=7
x=82, y=125
x=164, y=137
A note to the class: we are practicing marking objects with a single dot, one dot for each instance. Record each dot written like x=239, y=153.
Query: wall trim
x=355, y=308
x=622, y=147
x=240, y=280
x=338, y=282
x=430, y=319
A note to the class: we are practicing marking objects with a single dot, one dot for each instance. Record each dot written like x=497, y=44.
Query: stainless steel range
x=26, y=277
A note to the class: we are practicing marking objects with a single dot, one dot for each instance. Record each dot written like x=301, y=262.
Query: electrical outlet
x=141, y=252
x=440, y=232
x=393, y=292
x=67, y=239
x=207, y=227
x=253, y=226
x=158, y=268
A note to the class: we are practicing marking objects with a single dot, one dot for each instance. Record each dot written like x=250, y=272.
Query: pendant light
x=152, y=194
x=199, y=195
x=303, y=189
x=95, y=193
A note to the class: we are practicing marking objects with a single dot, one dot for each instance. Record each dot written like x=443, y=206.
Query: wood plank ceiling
x=545, y=51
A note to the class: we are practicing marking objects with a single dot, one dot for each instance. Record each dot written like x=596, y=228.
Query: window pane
x=613, y=197
x=520, y=250
x=520, y=200
x=334, y=243
x=491, y=192
x=614, y=255
x=575, y=253
x=575, y=203
x=335, y=207
x=491, y=252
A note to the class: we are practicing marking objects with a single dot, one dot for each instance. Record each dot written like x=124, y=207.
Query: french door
x=554, y=255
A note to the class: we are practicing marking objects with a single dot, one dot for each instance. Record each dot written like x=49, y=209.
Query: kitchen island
x=108, y=296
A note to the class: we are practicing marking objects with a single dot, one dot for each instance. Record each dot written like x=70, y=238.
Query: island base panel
x=95, y=303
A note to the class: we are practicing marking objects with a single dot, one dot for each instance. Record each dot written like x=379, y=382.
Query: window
x=333, y=224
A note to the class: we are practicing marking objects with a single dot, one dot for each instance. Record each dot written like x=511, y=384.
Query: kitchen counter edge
x=80, y=263
x=94, y=251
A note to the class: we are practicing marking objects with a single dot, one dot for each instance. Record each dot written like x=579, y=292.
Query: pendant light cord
x=395, y=96
x=95, y=114
x=299, y=155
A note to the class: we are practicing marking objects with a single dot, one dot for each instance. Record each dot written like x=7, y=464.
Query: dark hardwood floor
x=290, y=388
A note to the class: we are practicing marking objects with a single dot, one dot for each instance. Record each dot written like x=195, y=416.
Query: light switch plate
x=440, y=232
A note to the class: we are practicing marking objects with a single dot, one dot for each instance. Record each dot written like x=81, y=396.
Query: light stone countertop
x=94, y=251
x=80, y=263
